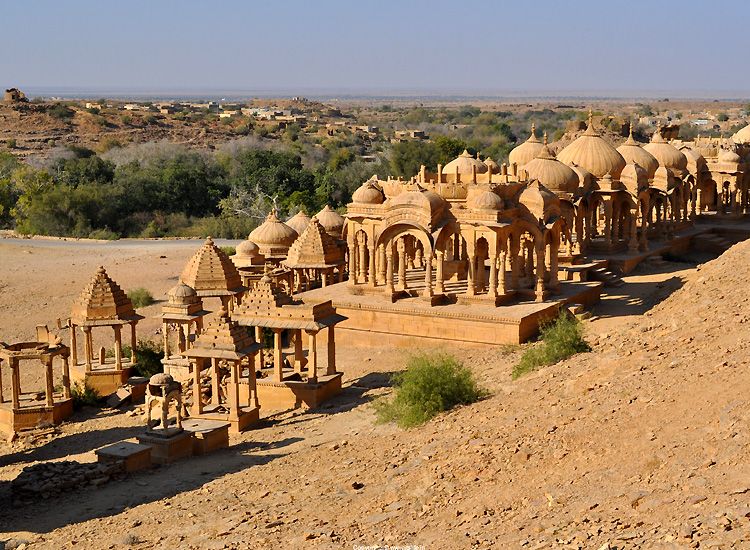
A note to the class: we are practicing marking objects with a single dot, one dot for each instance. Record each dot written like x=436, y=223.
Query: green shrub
x=11, y=143
x=140, y=297
x=560, y=338
x=148, y=356
x=84, y=396
x=104, y=234
x=61, y=112
x=431, y=383
x=229, y=250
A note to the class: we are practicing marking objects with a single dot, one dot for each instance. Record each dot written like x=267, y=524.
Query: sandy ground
x=624, y=446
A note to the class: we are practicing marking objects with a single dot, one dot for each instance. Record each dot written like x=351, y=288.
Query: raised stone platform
x=291, y=394
x=247, y=417
x=373, y=320
x=32, y=413
x=104, y=380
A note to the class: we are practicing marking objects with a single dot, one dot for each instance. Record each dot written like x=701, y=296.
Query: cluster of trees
x=165, y=190
x=162, y=189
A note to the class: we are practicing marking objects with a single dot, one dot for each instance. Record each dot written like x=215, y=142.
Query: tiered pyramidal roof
x=315, y=248
x=103, y=302
x=222, y=338
x=211, y=273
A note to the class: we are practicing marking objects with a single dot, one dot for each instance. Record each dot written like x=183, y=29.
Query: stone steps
x=606, y=276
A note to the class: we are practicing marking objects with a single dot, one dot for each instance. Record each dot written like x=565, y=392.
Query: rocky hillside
x=641, y=443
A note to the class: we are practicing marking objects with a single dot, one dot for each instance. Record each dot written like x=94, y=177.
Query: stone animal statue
x=162, y=389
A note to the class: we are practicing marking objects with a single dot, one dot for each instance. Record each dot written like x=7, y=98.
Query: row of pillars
x=183, y=333
x=300, y=361
x=49, y=389
x=89, y=347
x=233, y=388
x=389, y=268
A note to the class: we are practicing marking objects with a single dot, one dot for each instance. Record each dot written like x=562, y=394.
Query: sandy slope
x=641, y=443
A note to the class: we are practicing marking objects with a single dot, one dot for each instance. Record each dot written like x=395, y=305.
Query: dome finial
x=544, y=139
x=591, y=118
x=533, y=130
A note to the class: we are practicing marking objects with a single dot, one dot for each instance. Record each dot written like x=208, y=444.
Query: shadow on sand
x=134, y=490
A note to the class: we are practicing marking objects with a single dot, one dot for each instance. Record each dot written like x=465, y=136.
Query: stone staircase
x=711, y=242
x=606, y=276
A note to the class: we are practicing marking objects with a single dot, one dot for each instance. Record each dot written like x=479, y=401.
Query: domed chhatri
x=484, y=199
x=632, y=152
x=742, y=137
x=299, y=222
x=368, y=193
x=492, y=166
x=182, y=294
x=273, y=237
x=332, y=221
x=101, y=305
x=667, y=155
x=728, y=156
x=465, y=163
x=552, y=173
x=527, y=151
x=593, y=153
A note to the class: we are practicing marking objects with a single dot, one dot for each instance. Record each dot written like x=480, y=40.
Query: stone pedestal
x=138, y=388
x=168, y=449
x=207, y=435
x=291, y=394
x=133, y=456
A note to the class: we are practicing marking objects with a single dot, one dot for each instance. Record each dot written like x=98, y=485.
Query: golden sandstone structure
x=475, y=252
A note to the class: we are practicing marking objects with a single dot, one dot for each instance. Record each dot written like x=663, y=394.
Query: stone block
x=134, y=456
x=207, y=435
x=168, y=449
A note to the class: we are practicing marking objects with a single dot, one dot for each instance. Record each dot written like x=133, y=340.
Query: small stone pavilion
x=102, y=304
x=212, y=274
x=294, y=383
x=182, y=316
x=228, y=351
x=27, y=409
x=316, y=258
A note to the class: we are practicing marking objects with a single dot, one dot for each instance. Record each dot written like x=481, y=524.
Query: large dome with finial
x=273, y=236
x=632, y=152
x=527, y=151
x=667, y=154
x=368, y=193
x=742, y=137
x=464, y=164
x=552, y=173
x=594, y=153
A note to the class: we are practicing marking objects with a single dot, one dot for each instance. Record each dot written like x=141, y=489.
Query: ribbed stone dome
x=273, y=236
x=632, y=151
x=593, y=153
x=331, y=221
x=550, y=172
x=464, y=164
x=742, y=136
x=527, y=151
x=299, y=222
x=368, y=193
x=485, y=200
x=667, y=154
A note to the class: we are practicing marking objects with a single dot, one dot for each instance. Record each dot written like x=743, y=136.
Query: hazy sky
x=378, y=46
